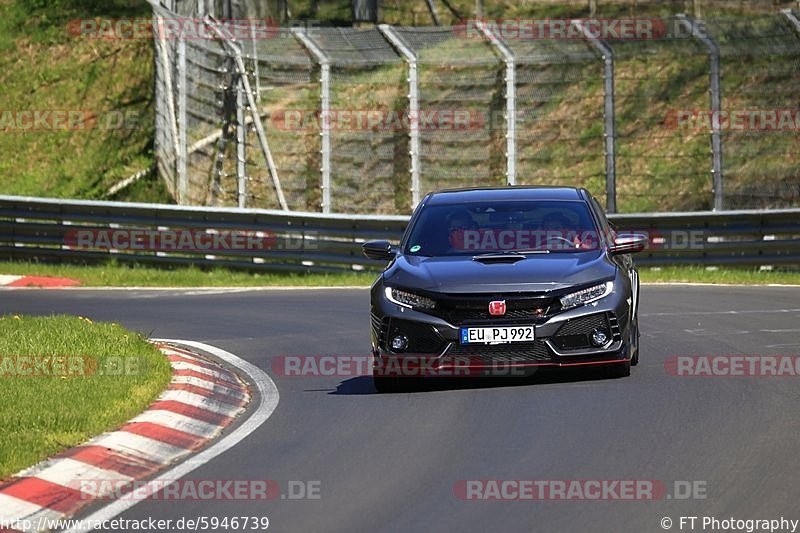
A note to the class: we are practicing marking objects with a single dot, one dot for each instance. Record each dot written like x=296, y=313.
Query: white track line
x=268, y=401
x=732, y=312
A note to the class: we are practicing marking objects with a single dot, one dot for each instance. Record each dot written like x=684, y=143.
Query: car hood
x=536, y=273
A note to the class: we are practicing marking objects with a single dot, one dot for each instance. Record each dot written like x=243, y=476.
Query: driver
x=556, y=228
x=457, y=224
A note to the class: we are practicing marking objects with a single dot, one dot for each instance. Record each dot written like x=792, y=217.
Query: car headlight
x=585, y=296
x=409, y=299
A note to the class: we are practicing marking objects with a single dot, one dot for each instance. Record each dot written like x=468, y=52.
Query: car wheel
x=385, y=384
x=619, y=370
x=635, y=343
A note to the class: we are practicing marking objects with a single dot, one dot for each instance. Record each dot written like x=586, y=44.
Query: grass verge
x=737, y=276
x=115, y=274
x=64, y=379
x=119, y=275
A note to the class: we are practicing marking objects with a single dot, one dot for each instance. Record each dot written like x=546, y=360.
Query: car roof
x=483, y=194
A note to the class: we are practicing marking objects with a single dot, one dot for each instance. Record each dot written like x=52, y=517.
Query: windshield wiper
x=507, y=255
x=531, y=251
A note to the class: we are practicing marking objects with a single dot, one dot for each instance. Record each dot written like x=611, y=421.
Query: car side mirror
x=379, y=250
x=628, y=243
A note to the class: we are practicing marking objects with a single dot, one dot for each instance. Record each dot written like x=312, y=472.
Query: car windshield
x=501, y=227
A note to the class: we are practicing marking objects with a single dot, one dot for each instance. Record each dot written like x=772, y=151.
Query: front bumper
x=561, y=340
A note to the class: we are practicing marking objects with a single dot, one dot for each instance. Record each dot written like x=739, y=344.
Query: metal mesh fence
x=211, y=179
x=559, y=113
x=661, y=165
x=460, y=110
x=368, y=108
x=633, y=116
x=287, y=85
x=760, y=59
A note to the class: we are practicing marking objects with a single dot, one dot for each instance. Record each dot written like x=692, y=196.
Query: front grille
x=470, y=310
x=422, y=338
x=526, y=352
x=575, y=333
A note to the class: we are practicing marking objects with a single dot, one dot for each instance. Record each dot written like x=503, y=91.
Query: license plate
x=497, y=334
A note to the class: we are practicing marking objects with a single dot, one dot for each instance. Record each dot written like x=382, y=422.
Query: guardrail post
x=325, y=115
x=716, y=105
x=183, y=179
x=413, y=106
x=511, y=102
x=609, y=115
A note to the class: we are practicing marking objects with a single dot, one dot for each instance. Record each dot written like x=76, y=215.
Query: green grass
x=115, y=374
x=43, y=67
x=118, y=275
x=123, y=275
x=737, y=276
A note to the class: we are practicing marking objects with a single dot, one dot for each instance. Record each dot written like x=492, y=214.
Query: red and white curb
x=36, y=281
x=202, y=399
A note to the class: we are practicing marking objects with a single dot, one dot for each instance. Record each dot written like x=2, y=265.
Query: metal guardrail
x=45, y=230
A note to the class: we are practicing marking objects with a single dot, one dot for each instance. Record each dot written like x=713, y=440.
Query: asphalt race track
x=390, y=462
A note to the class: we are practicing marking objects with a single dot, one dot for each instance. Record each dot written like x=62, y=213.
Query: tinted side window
x=601, y=214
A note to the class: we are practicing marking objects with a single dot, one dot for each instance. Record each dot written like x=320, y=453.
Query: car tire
x=635, y=342
x=619, y=370
x=385, y=384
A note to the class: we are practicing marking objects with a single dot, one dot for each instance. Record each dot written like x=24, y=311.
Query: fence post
x=256, y=73
x=413, y=107
x=235, y=50
x=511, y=102
x=241, y=148
x=325, y=104
x=609, y=115
x=716, y=106
x=789, y=14
x=183, y=180
x=163, y=54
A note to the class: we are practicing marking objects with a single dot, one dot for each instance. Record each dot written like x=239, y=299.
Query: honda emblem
x=497, y=307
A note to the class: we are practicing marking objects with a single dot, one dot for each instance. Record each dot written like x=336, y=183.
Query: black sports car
x=495, y=281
